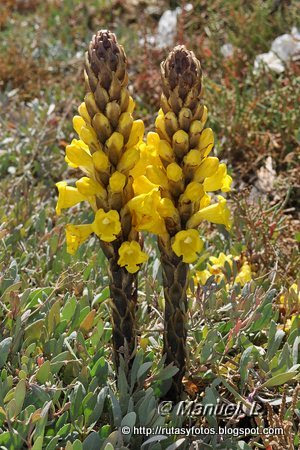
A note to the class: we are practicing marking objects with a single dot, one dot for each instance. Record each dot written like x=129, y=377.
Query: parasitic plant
x=106, y=151
x=171, y=183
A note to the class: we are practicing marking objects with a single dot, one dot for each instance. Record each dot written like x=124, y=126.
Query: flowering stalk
x=106, y=152
x=171, y=182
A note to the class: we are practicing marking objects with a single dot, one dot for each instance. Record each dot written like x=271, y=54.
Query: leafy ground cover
x=57, y=383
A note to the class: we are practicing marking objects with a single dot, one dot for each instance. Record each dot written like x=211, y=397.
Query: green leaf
x=34, y=330
x=4, y=350
x=77, y=445
x=101, y=297
x=143, y=369
x=19, y=395
x=277, y=380
x=244, y=362
x=69, y=308
x=264, y=319
x=53, y=317
x=167, y=372
x=92, y=442
x=129, y=421
x=176, y=444
x=96, y=414
x=38, y=445
x=43, y=372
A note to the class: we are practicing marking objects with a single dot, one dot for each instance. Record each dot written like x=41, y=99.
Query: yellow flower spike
x=165, y=151
x=157, y=176
x=244, y=275
x=174, y=172
x=128, y=159
x=78, y=123
x=76, y=235
x=215, y=213
x=100, y=161
x=136, y=134
x=78, y=154
x=187, y=243
x=82, y=109
x=142, y=185
x=194, y=191
x=216, y=181
x=68, y=196
x=117, y=182
x=206, y=141
x=207, y=168
x=86, y=186
x=131, y=255
x=106, y=225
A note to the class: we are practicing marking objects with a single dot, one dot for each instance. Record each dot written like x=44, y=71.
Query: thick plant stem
x=175, y=281
x=123, y=292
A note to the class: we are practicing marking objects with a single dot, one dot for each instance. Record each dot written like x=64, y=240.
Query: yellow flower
x=206, y=141
x=206, y=169
x=131, y=255
x=76, y=235
x=193, y=158
x=78, y=155
x=220, y=260
x=244, y=275
x=219, y=180
x=174, y=172
x=186, y=244
x=201, y=276
x=215, y=213
x=144, y=209
x=100, y=160
x=142, y=185
x=87, y=186
x=117, y=182
x=82, y=109
x=294, y=287
x=136, y=133
x=148, y=156
x=68, y=196
x=128, y=159
x=290, y=322
x=166, y=208
x=157, y=176
x=165, y=151
x=217, y=265
x=193, y=192
x=106, y=225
